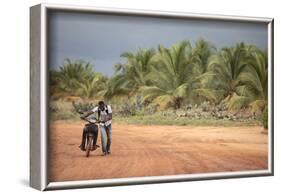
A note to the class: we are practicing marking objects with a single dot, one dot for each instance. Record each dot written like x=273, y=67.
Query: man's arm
x=87, y=113
x=109, y=117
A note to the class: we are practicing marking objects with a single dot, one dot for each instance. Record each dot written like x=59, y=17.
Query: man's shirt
x=104, y=115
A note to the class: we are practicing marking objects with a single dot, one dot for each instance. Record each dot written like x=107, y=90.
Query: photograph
x=134, y=96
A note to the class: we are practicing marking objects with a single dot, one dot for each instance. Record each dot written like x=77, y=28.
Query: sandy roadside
x=156, y=150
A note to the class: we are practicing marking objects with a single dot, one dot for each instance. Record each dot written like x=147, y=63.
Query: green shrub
x=265, y=118
x=53, y=108
x=82, y=106
x=161, y=119
x=135, y=106
x=127, y=109
x=63, y=110
x=60, y=110
x=135, y=111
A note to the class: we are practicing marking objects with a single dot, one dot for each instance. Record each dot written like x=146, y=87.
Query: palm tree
x=260, y=87
x=171, y=75
x=130, y=76
x=66, y=80
x=201, y=53
x=253, y=90
x=54, y=82
x=93, y=86
x=223, y=79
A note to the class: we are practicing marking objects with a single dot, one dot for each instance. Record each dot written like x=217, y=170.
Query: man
x=105, y=117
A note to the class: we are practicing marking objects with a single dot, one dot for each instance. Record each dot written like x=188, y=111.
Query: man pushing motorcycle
x=105, y=117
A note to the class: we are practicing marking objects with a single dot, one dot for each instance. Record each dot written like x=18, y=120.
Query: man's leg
x=103, y=138
x=108, y=133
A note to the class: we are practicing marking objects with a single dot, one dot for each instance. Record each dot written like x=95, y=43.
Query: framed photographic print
x=123, y=97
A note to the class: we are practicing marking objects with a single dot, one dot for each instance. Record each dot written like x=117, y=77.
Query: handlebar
x=93, y=121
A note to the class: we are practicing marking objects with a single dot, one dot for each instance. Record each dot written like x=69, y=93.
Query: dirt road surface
x=156, y=150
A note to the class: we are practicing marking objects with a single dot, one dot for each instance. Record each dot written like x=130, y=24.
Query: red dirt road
x=156, y=150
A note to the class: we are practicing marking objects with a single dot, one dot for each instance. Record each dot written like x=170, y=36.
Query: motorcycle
x=89, y=145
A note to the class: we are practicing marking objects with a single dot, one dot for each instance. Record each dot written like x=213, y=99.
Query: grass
x=182, y=121
x=64, y=111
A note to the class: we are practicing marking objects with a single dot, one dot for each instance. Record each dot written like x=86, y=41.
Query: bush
x=136, y=110
x=151, y=109
x=61, y=110
x=135, y=106
x=265, y=118
x=53, y=108
x=127, y=109
x=82, y=107
x=205, y=106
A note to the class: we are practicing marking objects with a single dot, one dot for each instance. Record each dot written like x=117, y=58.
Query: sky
x=101, y=39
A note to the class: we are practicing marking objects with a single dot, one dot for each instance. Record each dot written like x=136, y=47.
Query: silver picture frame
x=39, y=99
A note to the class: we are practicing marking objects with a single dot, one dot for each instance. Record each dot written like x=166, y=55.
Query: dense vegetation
x=181, y=78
